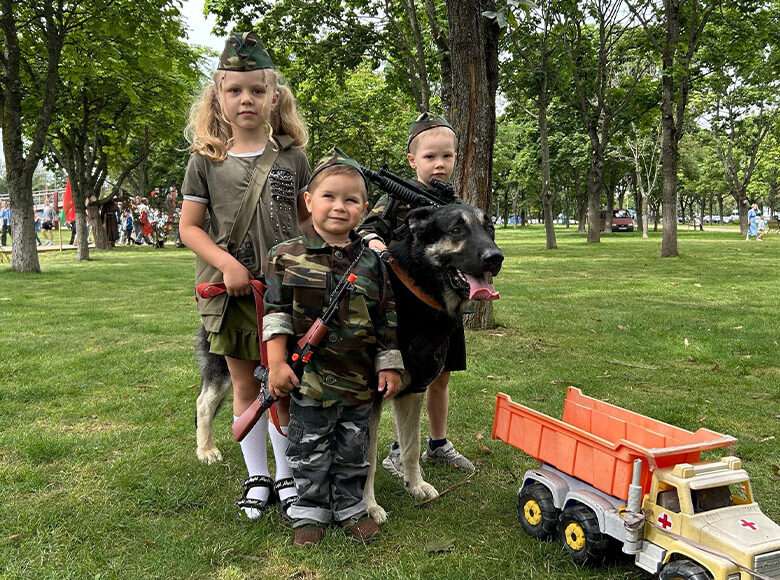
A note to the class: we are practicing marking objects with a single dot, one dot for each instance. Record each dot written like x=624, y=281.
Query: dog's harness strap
x=407, y=281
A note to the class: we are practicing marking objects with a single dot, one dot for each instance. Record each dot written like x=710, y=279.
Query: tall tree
x=740, y=95
x=111, y=101
x=605, y=83
x=533, y=46
x=675, y=29
x=474, y=46
x=644, y=150
x=33, y=35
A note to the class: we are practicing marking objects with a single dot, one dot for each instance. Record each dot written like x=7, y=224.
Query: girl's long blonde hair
x=210, y=133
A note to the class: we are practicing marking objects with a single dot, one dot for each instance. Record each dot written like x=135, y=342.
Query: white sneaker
x=448, y=455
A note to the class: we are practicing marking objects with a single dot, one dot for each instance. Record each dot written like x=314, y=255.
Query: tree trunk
x=547, y=196
x=474, y=54
x=24, y=249
x=742, y=208
x=594, y=200
x=98, y=231
x=580, y=200
x=669, y=166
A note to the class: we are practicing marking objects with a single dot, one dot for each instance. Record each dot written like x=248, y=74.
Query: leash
x=407, y=281
x=211, y=289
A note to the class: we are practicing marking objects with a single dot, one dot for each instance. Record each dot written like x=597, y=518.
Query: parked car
x=621, y=221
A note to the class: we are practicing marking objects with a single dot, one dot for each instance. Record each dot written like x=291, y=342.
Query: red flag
x=67, y=204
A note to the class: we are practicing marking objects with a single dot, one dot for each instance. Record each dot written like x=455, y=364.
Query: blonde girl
x=244, y=121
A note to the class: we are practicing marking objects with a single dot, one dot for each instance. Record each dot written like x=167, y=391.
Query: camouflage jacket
x=301, y=274
x=376, y=226
x=382, y=227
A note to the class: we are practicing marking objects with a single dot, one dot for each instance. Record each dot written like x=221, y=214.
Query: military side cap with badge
x=244, y=51
x=423, y=123
x=335, y=157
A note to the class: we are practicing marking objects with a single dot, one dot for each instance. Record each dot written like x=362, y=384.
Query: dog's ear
x=417, y=219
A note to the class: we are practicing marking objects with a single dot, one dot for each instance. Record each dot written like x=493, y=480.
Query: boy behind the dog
x=431, y=153
x=328, y=433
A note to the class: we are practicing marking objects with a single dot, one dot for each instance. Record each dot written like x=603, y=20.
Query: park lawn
x=98, y=472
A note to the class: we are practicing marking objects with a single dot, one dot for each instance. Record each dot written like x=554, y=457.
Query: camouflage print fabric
x=244, y=51
x=336, y=157
x=382, y=227
x=300, y=275
x=328, y=455
x=423, y=123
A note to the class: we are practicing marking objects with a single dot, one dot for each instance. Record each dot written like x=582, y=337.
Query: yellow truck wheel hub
x=575, y=536
x=532, y=512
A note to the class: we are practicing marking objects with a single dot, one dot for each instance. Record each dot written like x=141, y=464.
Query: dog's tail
x=214, y=373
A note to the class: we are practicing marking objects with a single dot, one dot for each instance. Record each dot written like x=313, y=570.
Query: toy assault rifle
x=301, y=354
x=416, y=195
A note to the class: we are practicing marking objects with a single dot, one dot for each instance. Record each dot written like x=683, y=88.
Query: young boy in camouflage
x=329, y=414
x=431, y=153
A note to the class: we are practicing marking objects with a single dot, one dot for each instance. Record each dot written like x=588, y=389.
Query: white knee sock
x=279, y=444
x=253, y=449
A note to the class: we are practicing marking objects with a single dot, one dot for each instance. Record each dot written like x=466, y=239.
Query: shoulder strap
x=252, y=195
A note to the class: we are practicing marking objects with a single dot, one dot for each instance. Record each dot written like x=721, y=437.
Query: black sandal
x=253, y=503
x=284, y=504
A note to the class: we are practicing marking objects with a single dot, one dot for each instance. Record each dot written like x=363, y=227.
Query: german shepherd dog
x=438, y=264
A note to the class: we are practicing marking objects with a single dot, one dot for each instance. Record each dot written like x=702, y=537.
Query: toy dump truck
x=607, y=473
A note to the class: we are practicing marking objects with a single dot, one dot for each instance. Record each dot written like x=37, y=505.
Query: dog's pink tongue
x=480, y=289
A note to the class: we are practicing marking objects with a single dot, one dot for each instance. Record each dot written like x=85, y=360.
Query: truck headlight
x=736, y=576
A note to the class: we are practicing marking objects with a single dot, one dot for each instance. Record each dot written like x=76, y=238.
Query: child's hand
x=389, y=382
x=281, y=380
x=236, y=279
x=378, y=245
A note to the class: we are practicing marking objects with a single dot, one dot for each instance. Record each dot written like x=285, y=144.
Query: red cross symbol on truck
x=747, y=524
x=665, y=521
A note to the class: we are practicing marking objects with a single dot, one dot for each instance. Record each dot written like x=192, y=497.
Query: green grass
x=98, y=472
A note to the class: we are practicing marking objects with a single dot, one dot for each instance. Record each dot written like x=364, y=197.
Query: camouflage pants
x=328, y=455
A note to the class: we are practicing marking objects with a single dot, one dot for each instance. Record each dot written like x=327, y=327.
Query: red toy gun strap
x=211, y=289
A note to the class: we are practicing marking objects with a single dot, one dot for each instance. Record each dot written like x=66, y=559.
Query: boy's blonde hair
x=211, y=134
x=441, y=130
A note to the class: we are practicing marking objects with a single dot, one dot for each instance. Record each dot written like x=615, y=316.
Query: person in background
x=752, y=226
x=38, y=220
x=5, y=216
x=49, y=222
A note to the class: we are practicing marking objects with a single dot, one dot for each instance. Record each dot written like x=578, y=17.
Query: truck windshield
x=713, y=498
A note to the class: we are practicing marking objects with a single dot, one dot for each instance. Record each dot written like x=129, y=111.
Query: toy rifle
x=301, y=354
x=416, y=195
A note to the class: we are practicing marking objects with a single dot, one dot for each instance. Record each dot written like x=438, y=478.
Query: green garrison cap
x=244, y=51
x=423, y=123
x=335, y=157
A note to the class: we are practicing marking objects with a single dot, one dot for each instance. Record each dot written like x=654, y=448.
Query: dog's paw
x=422, y=490
x=209, y=455
x=377, y=513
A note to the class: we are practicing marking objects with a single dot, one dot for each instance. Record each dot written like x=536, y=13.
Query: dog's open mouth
x=478, y=288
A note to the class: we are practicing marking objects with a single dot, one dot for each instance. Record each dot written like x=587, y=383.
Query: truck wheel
x=580, y=535
x=684, y=570
x=536, y=511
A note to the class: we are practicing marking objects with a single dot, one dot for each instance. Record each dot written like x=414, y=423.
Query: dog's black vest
x=423, y=337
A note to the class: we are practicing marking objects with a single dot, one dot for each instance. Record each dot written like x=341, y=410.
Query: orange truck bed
x=598, y=442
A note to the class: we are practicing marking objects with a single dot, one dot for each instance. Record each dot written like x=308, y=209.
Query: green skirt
x=238, y=335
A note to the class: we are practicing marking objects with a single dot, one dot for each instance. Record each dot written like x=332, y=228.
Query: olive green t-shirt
x=221, y=186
